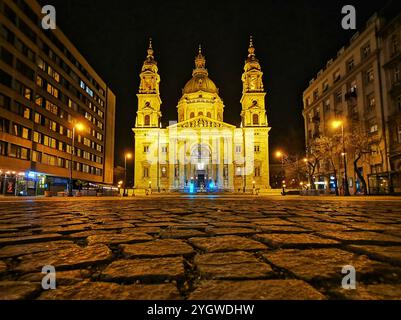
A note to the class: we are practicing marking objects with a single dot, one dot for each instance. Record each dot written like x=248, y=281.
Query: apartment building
x=351, y=89
x=391, y=61
x=46, y=88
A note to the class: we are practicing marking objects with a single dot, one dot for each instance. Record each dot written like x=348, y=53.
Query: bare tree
x=329, y=148
x=360, y=144
x=314, y=155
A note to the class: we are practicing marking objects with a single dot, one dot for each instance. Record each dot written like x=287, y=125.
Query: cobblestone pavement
x=200, y=248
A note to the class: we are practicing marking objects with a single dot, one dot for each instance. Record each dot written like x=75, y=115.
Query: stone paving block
x=294, y=240
x=174, y=233
x=158, y=248
x=29, y=239
x=62, y=277
x=227, y=243
x=326, y=226
x=145, y=269
x=85, y=234
x=67, y=229
x=229, y=231
x=362, y=236
x=283, y=229
x=17, y=290
x=111, y=226
x=371, y=292
x=112, y=291
x=149, y=230
x=23, y=249
x=273, y=222
x=118, y=238
x=231, y=265
x=388, y=253
x=255, y=290
x=318, y=264
x=68, y=257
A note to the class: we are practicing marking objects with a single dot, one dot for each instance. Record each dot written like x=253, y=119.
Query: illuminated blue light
x=191, y=188
x=31, y=175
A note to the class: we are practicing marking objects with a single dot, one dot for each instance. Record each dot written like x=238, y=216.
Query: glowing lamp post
x=340, y=124
x=280, y=155
x=126, y=156
x=76, y=127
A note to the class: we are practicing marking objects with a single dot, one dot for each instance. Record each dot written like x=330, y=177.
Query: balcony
x=395, y=88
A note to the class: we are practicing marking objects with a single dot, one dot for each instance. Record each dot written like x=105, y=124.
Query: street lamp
x=340, y=124
x=126, y=156
x=281, y=155
x=79, y=127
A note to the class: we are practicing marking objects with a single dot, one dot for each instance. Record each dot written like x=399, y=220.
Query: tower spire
x=200, y=63
x=150, y=50
x=251, y=49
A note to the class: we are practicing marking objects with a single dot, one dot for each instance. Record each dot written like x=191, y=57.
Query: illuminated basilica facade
x=200, y=152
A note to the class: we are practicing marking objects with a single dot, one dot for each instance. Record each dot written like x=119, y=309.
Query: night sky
x=293, y=40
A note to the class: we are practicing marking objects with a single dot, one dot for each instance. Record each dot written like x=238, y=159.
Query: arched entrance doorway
x=201, y=167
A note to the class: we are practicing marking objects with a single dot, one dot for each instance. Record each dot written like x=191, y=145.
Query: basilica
x=200, y=152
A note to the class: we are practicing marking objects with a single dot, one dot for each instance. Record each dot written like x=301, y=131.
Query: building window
x=164, y=149
x=200, y=114
x=336, y=76
x=146, y=149
x=371, y=100
x=164, y=171
x=238, y=149
x=18, y=152
x=256, y=149
x=257, y=171
x=327, y=105
x=36, y=156
x=395, y=45
x=350, y=64
x=177, y=171
x=370, y=76
x=147, y=120
x=315, y=94
x=399, y=103
x=39, y=81
x=238, y=171
x=255, y=119
x=192, y=115
x=325, y=86
x=373, y=128
x=396, y=75
x=366, y=51
x=52, y=90
x=146, y=172
x=339, y=97
x=209, y=115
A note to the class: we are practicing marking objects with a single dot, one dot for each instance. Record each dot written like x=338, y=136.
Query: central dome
x=200, y=78
x=200, y=83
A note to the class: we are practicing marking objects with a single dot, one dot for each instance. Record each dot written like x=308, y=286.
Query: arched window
x=200, y=113
x=209, y=115
x=255, y=119
x=147, y=120
x=192, y=115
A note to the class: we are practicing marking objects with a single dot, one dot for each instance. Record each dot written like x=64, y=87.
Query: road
x=170, y=247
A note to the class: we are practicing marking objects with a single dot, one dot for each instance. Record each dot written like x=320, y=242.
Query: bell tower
x=149, y=102
x=253, y=94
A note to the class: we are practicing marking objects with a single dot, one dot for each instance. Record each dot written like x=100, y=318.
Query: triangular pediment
x=202, y=122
